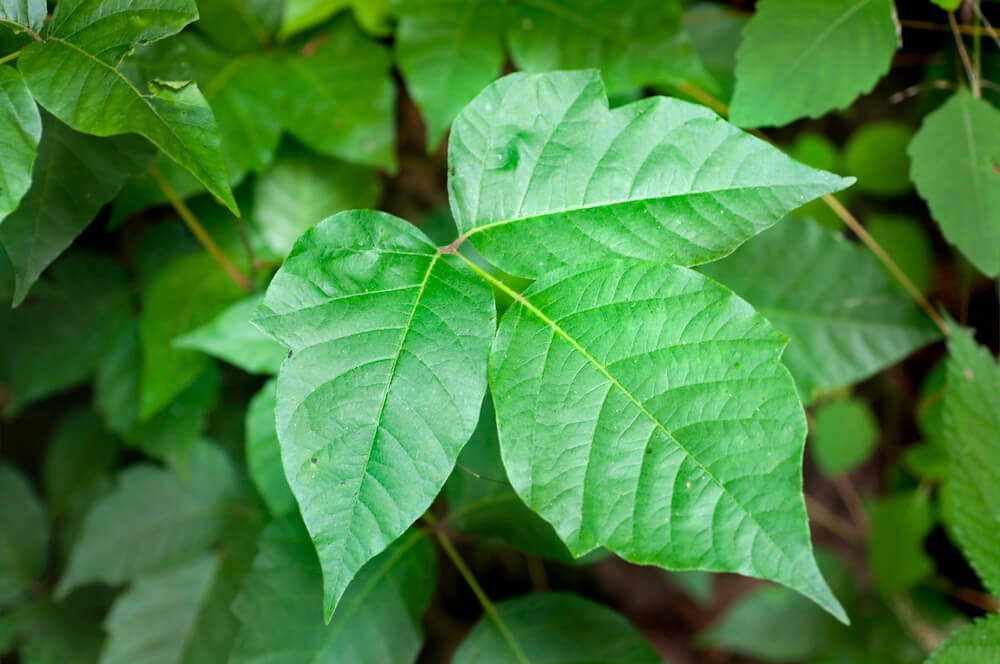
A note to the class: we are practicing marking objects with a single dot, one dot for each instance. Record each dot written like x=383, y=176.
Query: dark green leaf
x=74, y=176
x=389, y=341
x=20, y=130
x=80, y=453
x=554, y=628
x=56, y=634
x=544, y=175
x=790, y=45
x=239, y=25
x=845, y=320
x=876, y=156
x=264, y=453
x=715, y=32
x=907, y=242
x=614, y=384
x=378, y=619
x=231, y=337
x=844, y=434
x=899, y=525
x=24, y=535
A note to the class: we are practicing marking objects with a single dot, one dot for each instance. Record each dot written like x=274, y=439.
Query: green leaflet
x=844, y=434
x=844, y=318
x=658, y=179
x=876, y=155
x=58, y=340
x=389, y=341
x=979, y=642
x=263, y=453
x=238, y=25
x=20, y=130
x=972, y=432
x=23, y=14
x=73, y=177
x=186, y=294
x=633, y=44
x=554, y=628
x=378, y=619
x=448, y=50
x=955, y=162
x=24, y=536
x=789, y=45
x=899, y=524
x=644, y=408
x=300, y=15
x=231, y=336
x=48, y=633
x=79, y=455
x=151, y=521
x=301, y=189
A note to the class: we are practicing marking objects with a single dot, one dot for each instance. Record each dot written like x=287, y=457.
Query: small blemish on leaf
x=313, y=460
x=687, y=485
x=968, y=374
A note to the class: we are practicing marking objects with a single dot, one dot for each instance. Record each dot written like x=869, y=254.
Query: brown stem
x=970, y=71
x=825, y=517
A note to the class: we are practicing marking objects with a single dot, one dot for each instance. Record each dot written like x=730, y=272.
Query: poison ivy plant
x=976, y=643
x=24, y=534
x=20, y=130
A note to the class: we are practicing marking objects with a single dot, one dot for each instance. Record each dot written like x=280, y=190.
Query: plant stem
x=921, y=631
x=970, y=72
x=484, y=601
x=928, y=25
x=199, y=231
x=986, y=23
x=703, y=98
x=849, y=495
x=825, y=517
x=11, y=56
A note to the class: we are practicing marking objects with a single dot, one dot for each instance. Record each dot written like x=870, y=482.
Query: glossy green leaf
x=24, y=535
x=231, y=336
x=899, y=525
x=481, y=501
x=972, y=431
x=20, y=130
x=93, y=97
x=300, y=15
x=389, y=342
x=845, y=320
x=790, y=45
x=239, y=25
x=345, y=81
x=264, y=453
x=74, y=176
x=21, y=14
x=152, y=521
x=979, y=642
x=633, y=44
x=955, y=163
x=644, y=408
x=301, y=189
x=58, y=340
x=909, y=245
x=178, y=616
x=186, y=294
x=544, y=175
x=876, y=155
x=554, y=628
x=378, y=619
x=844, y=434
x=80, y=453
x=447, y=51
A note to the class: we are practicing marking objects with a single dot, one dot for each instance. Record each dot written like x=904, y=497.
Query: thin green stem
x=470, y=578
x=493, y=281
x=11, y=56
x=199, y=231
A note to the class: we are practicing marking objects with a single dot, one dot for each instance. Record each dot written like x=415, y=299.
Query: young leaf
x=389, y=340
x=346, y=81
x=301, y=189
x=231, y=336
x=447, y=51
x=979, y=642
x=300, y=15
x=24, y=535
x=972, y=432
x=956, y=167
x=544, y=175
x=843, y=435
x=264, y=453
x=789, y=45
x=378, y=619
x=845, y=320
x=644, y=408
x=633, y=44
x=186, y=294
x=20, y=130
x=73, y=177
x=58, y=341
x=899, y=525
x=551, y=628
x=152, y=521
x=23, y=14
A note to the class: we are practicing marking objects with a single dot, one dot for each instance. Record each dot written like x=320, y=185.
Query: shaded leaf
x=378, y=619
x=979, y=642
x=230, y=336
x=844, y=434
x=151, y=521
x=264, y=453
x=899, y=525
x=555, y=628
x=907, y=242
x=74, y=176
x=24, y=535
x=49, y=633
x=389, y=341
x=239, y=25
x=614, y=384
x=845, y=320
x=972, y=432
x=788, y=45
x=544, y=175
x=956, y=167
x=80, y=454
x=20, y=130
x=876, y=155
x=715, y=32
x=696, y=584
